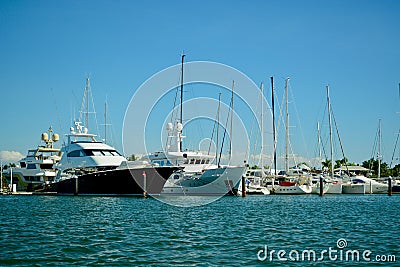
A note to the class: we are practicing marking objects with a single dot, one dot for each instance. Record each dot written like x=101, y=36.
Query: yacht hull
x=293, y=190
x=213, y=182
x=353, y=188
x=136, y=181
x=334, y=188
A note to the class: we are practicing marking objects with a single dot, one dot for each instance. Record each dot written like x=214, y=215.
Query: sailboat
x=291, y=184
x=198, y=175
x=372, y=186
x=255, y=178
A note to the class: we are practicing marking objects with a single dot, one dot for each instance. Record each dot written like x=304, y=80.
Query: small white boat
x=253, y=184
x=334, y=188
x=316, y=186
x=371, y=186
x=293, y=188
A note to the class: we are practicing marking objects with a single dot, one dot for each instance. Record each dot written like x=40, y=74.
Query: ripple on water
x=49, y=230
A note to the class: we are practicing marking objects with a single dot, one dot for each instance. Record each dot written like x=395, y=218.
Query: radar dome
x=45, y=137
x=179, y=127
x=56, y=137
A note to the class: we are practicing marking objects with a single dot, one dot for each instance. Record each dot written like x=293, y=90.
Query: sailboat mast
x=330, y=129
x=319, y=143
x=181, y=115
x=287, y=127
x=379, y=148
x=273, y=121
x=230, y=133
x=262, y=130
x=105, y=122
x=216, y=145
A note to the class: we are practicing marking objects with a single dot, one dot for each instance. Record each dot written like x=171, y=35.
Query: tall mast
x=379, y=147
x=262, y=130
x=105, y=122
x=319, y=143
x=181, y=115
x=287, y=127
x=216, y=145
x=273, y=121
x=87, y=102
x=230, y=134
x=330, y=129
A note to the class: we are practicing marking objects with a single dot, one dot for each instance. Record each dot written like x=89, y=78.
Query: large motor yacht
x=37, y=167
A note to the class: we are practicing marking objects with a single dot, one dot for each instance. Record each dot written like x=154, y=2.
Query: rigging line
x=374, y=147
x=395, y=146
x=300, y=127
x=223, y=138
x=252, y=133
x=212, y=133
x=340, y=141
x=173, y=115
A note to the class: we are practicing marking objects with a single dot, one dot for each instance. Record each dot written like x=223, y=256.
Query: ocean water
x=231, y=231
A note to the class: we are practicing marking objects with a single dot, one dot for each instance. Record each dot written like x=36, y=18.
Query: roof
x=352, y=168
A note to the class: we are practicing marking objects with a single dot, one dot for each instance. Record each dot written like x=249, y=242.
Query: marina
x=199, y=133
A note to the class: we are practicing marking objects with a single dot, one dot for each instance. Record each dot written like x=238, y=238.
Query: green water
x=232, y=231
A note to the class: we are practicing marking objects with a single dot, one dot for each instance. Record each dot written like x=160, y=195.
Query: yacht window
x=198, y=161
x=23, y=165
x=46, y=166
x=31, y=166
x=77, y=153
x=106, y=153
x=202, y=161
x=192, y=161
x=97, y=153
x=207, y=161
x=115, y=153
x=186, y=161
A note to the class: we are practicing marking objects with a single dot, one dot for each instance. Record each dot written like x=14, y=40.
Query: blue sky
x=47, y=49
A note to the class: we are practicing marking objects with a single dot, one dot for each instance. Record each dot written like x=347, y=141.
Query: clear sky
x=47, y=48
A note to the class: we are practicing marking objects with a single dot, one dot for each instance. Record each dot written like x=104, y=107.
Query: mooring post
x=243, y=186
x=144, y=184
x=321, y=186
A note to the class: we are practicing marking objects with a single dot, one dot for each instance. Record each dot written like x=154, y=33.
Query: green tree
x=132, y=157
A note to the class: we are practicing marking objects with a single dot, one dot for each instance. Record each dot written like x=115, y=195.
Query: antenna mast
x=181, y=116
x=273, y=121
x=287, y=127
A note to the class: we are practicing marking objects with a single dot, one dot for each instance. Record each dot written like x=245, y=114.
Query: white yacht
x=89, y=167
x=294, y=187
x=367, y=185
x=198, y=175
x=37, y=167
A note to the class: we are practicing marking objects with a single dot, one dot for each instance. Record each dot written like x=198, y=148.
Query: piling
x=144, y=184
x=76, y=186
x=243, y=186
x=389, y=186
x=321, y=186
